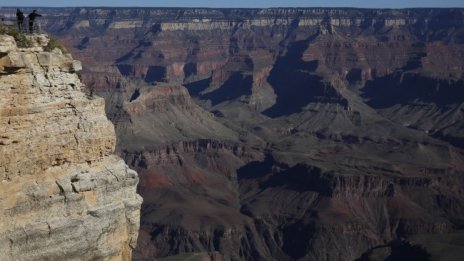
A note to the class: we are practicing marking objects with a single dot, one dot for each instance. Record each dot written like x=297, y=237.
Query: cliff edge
x=63, y=194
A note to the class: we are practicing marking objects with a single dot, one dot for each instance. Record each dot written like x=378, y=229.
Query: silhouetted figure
x=32, y=17
x=19, y=19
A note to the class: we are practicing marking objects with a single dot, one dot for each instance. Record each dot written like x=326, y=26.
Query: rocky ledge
x=63, y=194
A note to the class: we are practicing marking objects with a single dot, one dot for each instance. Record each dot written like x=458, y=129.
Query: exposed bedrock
x=64, y=196
x=273, y=211
x=281, y=134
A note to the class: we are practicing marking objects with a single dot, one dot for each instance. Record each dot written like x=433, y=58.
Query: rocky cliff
x=63, y=194
x=281, y=134
x=412, y=57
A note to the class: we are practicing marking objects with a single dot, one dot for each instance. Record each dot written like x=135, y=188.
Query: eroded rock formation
x=305, y=134
x=63, y=194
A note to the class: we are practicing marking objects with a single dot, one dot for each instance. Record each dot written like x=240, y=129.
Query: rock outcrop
x=305, y=134
x=63, y=194
x=172, y=116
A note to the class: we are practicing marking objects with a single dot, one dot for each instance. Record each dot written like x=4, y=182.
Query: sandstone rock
x=63, y=195
x=82, y=24
x=39, y=40
x=126, y=24
x=343, y=178
x=7, y=43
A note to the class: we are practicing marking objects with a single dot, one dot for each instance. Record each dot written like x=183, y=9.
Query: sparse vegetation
x=21, y=39
x=23, y=42
x=54, y=43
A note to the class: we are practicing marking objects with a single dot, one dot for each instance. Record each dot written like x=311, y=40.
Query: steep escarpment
x=277, y=61
x=149, y=116
x=190, y=199
x=281, y=134
x=64, y=195
x=316, y=213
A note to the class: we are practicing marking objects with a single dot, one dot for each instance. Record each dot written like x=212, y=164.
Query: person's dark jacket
x=33, y=15
x=20, y=16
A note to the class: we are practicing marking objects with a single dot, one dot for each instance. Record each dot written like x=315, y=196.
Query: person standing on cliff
x=19, y=19
x=32, y=17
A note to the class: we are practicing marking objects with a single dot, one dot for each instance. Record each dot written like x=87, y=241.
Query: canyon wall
x=63, y=194
x=281, y=134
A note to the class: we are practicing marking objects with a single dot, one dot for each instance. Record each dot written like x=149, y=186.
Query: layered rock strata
x=63, y=195
x=322, y=134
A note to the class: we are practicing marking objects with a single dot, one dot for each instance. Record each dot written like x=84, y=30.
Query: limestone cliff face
x=63, y=195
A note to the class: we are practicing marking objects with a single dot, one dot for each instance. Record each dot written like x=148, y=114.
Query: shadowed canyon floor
x=283, y=134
